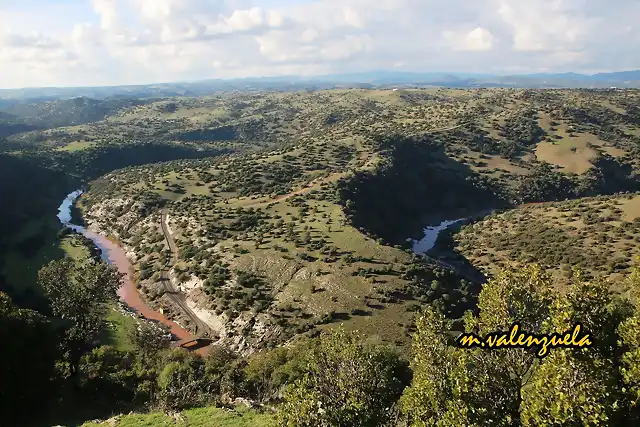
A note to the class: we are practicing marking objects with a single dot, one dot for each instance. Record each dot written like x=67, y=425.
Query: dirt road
x=309, y=187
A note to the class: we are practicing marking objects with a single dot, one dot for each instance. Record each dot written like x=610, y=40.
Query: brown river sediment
x=115, y=255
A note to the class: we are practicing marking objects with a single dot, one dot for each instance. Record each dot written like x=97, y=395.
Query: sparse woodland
x=293, y=215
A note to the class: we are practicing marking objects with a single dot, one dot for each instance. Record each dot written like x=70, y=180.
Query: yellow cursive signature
x=517, y=339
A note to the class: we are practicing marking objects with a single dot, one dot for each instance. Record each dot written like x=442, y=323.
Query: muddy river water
x=115, y=255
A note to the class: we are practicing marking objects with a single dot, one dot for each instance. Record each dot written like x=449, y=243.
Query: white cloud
x=479, y=39
x=544, y=24
x=138, y=41
x=109, y=13
x=28, y=41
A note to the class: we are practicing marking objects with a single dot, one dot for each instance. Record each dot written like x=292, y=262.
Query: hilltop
x=365, y=79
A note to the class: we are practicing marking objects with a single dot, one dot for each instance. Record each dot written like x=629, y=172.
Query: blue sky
x=101, y=42
x=56, y=16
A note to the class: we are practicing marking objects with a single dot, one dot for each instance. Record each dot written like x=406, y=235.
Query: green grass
x=116, y=333
x=77, y=146
x=22, y=271
x=199, y=417
x=73, y=248
x=118, y=324
x=341, y=291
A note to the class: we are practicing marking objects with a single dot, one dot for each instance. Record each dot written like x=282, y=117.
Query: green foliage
x=150, y=338
x=268, y=372
x=196, y=417
x=566, y=390
x=117, y=376
x=247, y=279
x=434, y=284
x=523, y=129
x=346, y=383
x=182, y=382
x=629, y=332
x=221, y=370
x=29, y=353
x=79, y=294
x=544, y=184
x=510, y=387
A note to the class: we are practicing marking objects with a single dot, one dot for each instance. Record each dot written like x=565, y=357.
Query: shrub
x=346, y=383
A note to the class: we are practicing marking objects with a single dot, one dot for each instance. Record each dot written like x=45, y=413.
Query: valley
x=262, y=221
x=113, y=254
x=318, y=224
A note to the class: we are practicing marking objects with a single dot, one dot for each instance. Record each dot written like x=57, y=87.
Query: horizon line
x=310, y=78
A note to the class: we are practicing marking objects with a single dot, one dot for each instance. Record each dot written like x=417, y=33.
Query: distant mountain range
x=622, y=79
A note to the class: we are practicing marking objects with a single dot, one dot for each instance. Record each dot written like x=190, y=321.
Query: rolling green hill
x=282, y=215
x=598, y=235
x=68, y=112
x=316, y=222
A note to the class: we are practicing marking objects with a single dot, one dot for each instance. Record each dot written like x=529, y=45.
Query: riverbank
x=433, y=235
x=437, y=243
x=113, y=254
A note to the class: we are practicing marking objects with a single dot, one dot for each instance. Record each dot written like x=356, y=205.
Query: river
x=431, y=233
x=115, y=255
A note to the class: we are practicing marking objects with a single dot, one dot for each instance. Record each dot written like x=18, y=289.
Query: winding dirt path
x=333, y=177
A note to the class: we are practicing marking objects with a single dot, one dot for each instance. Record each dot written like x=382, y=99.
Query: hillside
x=30, y=197
x=67, y=112
x=292, y=258
x=264, y=221
x=45, y=164
x=598, y=235
x=312, y=230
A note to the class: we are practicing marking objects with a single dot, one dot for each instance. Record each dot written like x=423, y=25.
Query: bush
x=268, y=372
x=183, y=383
x=346, y=383
x=114, y=375
x=247, y=279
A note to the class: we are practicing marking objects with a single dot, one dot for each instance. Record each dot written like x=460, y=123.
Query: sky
x=112, y=42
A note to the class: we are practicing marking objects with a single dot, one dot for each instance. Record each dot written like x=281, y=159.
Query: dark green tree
x=150, y=338
x=182, y=382
x=79, y=295
x=29, y=353
x=112, y=377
